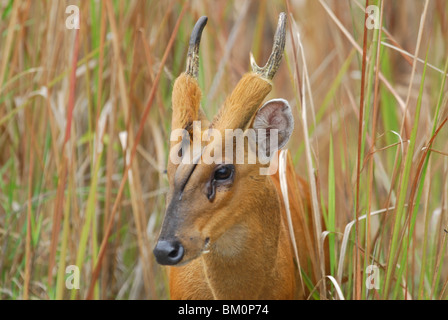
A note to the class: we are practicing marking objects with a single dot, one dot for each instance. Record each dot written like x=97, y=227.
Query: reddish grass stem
x=57, y=216
x=358, y=162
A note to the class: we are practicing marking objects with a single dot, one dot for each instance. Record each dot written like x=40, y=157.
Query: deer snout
x=169, y=252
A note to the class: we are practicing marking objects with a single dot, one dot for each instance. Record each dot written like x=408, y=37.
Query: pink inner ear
x=277, y=119
x=276, y=114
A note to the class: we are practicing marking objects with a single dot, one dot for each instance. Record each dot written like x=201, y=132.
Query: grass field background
x=84, y=134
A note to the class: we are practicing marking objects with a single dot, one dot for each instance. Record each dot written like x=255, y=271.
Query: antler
x=193, y=48
x=253, y=87
x=186, y=97
x=271, y=67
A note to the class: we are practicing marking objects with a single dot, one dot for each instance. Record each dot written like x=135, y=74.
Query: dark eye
x=223, y=173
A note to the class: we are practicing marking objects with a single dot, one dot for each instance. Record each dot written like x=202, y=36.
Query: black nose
x=168, y=252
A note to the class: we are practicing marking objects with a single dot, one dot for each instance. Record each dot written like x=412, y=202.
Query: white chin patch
x=231, y=242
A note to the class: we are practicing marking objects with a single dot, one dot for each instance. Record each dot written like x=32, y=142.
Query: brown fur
x=186, y=100
x=244, y=101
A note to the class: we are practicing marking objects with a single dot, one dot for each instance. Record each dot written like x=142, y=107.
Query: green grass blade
x=403, y=189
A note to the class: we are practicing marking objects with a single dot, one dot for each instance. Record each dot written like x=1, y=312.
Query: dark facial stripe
x=181, y=191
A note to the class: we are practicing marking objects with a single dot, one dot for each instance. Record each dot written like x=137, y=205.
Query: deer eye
x=224, y=172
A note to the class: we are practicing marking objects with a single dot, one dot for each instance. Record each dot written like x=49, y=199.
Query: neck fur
x=245, y=255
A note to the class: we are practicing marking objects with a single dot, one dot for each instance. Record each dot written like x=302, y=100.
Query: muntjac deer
x=225, y=233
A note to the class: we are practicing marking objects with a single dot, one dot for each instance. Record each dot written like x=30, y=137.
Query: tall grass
x=85, y=119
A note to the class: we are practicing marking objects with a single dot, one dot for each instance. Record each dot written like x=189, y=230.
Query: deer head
x=207, y=200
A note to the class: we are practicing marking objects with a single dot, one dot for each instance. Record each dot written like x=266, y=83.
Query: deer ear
x=274, y=114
